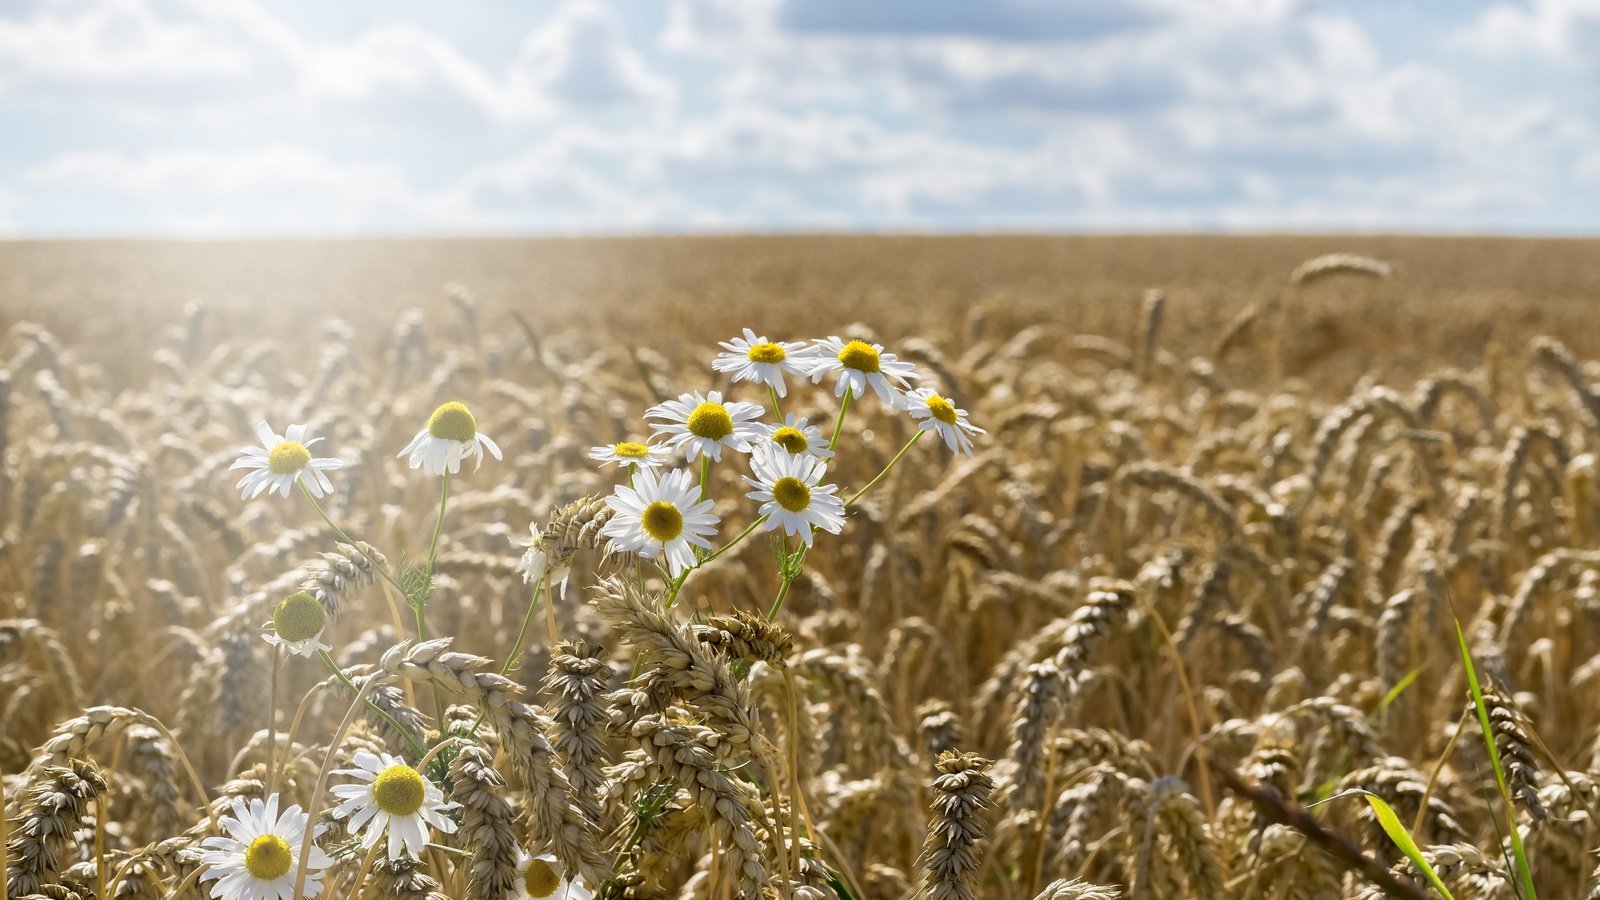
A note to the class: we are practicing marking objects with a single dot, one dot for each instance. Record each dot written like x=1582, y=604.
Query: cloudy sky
x=272, y=117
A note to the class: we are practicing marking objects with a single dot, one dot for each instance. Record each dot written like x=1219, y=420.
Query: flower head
x=655, y=518
x=631, y=453
x=796, y=437
x=791, y=494
x=538, y=877
x=752, y=358
x=861, y=365
x=297, y=624
x=260, y=853
x=536, y=564
x=697, y=424
x=936, y=413
x=391, y=796
x=280, y=461
x=451, y=436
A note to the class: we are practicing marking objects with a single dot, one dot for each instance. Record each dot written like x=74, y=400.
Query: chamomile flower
x=451, y=436
x=861, y=365
x=631, y=453
x=391, y=796
x=752, y=358
x=661, y=518
x=797, y=437
x=696, y=424
x=280, y=461
x=297, y=623
x=937, y=414
x=791, y=494
x=258, y=857
x=537, y=563
x=538, y=878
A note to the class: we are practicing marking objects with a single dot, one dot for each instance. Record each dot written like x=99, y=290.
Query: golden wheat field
x=1183, y=624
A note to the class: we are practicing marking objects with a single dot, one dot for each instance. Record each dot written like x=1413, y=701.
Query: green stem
x=777, y=603
x=838, y=425
x=772, y=394
x=730, y=545
x=438, y=526
x=533, y=603
x=705, y=473
x=333, y=667
x=874, y=482
x=347, y=538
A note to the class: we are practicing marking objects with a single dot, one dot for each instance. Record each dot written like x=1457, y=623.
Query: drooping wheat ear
x=1077, y=749
x=401, y=879
x=849, y=685
x=1551, y=352
x=577, y=680
x=950, y=854
x=391, y=701
x=487, y=823
x=1326, y=266
x=1155, y=477
x=1037, y=712
x=1209, y=598
x=1187, y=834
x=150, y=757
x=522, y=730
x=1514, y=459
x=574, y=527
x=1074, y=889
x=19, y=637
x=748, y=637
x=1516, y=750
x=684, y=753
x=339, y=573
x=939, y=727
x=72, y=738
x=1404, y=788
x=53, y=809
x=1076, y=819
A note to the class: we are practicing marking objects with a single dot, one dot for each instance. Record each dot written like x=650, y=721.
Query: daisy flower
x=937, y=414
x=258, y=857
x=297, y=622
x=654, y=518
x=536, y=563
x=797, y=437
x=752, y=358
x=791, y=496
x=631, y=453
x=451, y=436
x=391, y=796
x=699, y=424
x=280, y=461
x=861, y=365
x=537, y=878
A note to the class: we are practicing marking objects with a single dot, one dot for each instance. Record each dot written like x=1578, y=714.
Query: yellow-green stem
x=516, y=648
x=838, y=425
x=347, y=538
x=361, y=692
x=874, y=482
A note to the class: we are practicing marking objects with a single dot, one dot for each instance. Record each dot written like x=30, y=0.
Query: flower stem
x=777, y=603
x=333, y=667
x=874, y=482
x=376, y=567
x=772, y=394
x=438, y=526
x=838, y=425
x=705, y=474
x=730, y=545
x=533, y=603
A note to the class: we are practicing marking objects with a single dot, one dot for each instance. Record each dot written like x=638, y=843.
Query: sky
x=212, y=118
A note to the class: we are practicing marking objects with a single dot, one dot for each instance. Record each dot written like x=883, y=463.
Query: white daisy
x=280, y=461
x=937, y=414
x=258, y=858
x=537, y=878
x=791, y=495
x=536, y=564
x=699, y=424
x=861, y=365
x=631, y=453
x=797, y=437
x=297, y=622
x=654, y=518
x=451, y=436
x=391, y=796
x=752, y=358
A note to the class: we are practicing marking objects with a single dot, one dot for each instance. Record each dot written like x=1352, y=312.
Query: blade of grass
x=1390, y=823
x=1399, y=688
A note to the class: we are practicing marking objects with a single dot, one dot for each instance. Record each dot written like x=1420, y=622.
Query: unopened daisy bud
x=282, y=460
x=297, y=622
x=538, y=877
x=451, y=436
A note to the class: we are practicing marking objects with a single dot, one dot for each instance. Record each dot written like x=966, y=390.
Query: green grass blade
x=1400, y=688
x=1390, y=823
x=1524, y=874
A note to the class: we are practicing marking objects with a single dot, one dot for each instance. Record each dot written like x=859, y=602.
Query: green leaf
x=1399, y=688
x=1390, y=823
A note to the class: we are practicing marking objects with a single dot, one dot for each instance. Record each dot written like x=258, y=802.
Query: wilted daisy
x=280, y=461
x=537, y=877
x=797, y=437
x=791, y=495
x=451, y=436
x=297, y=622
x=391, y=796
x=536, y=563
x=654, y=518
x=861, y=365
x=752, y=358
x=699, y=424
x=937, y=414
x=258, y=857
x=631, y=453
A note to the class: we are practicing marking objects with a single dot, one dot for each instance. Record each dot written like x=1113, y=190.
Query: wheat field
x=1183, y=625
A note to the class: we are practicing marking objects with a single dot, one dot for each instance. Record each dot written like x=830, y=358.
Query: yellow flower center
x=288, y=457
x=710, y=421
x=299, y=617
x=859, y=355
x=631, y=450
x=453, y=422
x=541, y=879
x=398, y=790
x=767, y=353
x=791, y=493
x=268, y=857
x=662, y=521
x=941, y=409
x=791, y=439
